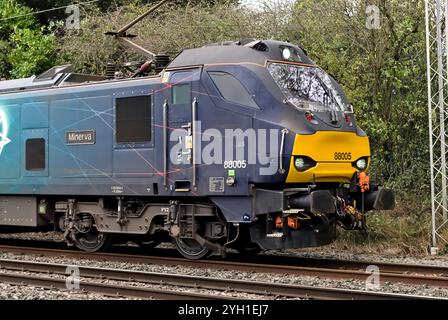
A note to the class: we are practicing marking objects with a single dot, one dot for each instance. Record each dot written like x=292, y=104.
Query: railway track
x=394, y=273
x=105, y=289
x=15, y=269
x=354, y=264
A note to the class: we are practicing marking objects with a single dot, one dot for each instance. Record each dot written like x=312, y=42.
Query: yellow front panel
x=322, y=148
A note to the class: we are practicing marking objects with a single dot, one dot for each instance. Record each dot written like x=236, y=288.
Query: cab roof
x=256, y=52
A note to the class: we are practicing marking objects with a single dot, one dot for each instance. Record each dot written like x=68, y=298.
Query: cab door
x=180, y=109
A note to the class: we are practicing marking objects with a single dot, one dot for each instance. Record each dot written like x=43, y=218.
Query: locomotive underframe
x=280, y=219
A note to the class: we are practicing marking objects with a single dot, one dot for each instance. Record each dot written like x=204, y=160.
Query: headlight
x=287, y=53
x=300, y=163
x=361, y=164
x=303, y=164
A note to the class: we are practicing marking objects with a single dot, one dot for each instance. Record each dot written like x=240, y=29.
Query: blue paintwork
x=101, y=168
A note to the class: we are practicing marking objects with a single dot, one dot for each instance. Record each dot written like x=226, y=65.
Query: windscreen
x=309, y=88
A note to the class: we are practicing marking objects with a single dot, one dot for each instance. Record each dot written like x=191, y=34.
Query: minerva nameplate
x=80, y=137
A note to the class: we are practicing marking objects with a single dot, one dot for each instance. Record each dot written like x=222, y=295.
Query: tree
x=26, y=47
x=103, y=5
x=170, y=30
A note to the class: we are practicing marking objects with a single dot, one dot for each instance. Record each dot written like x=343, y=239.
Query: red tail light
x=348, y=120
x=310, y=118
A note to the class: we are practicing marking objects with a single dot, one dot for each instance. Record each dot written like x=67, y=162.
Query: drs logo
x=343, y=156
x=4, y=140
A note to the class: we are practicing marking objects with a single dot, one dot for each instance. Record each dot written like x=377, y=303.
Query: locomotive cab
x=327, y=182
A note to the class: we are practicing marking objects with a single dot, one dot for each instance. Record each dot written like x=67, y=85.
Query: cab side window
x=181, y=87
x=182, y=93
x=133, y=119
x=232, y=89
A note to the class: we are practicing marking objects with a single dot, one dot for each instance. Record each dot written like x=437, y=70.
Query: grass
x=406, y=231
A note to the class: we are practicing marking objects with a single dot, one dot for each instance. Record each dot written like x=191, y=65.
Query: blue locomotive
x=246, y=145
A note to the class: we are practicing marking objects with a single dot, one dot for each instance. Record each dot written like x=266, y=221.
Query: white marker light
x=287, y=53
x=300, y=163
x=361, y=164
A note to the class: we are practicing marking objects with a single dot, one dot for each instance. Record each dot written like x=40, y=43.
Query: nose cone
x=334, y=154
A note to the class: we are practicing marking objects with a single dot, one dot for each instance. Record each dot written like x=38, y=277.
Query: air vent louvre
x=260, y=46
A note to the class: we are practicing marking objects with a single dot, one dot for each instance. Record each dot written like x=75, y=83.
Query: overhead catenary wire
x=48, y=10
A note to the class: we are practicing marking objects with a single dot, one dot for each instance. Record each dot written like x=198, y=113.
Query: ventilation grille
x=260, y=46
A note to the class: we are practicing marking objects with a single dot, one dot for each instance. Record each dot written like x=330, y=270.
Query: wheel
x=249, y=249
x=148, y=244
x=191, y=249
x=92, y=241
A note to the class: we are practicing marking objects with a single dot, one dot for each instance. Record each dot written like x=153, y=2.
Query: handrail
x=165, y=143
x=281, y=170
x=194, y=118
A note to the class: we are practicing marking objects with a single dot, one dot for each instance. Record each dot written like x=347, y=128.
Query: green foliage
x=26, y=47
x=104, y=5
x=23, y=20
x=32, y=53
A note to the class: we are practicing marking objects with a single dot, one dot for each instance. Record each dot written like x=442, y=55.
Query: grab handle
x=282, y=150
